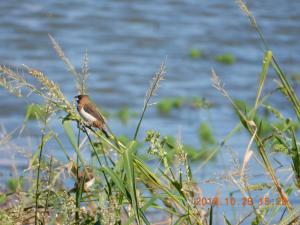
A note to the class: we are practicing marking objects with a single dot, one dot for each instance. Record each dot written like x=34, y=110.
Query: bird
x=88, y=111
x=85, y=177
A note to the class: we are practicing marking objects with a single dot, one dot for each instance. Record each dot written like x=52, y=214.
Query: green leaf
x=266, y=62
x=129, y=171
x=277, y=147
x=226, y=220
x=181, y=219
x=295, y=159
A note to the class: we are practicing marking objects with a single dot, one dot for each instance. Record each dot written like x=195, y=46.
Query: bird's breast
x=86, y=116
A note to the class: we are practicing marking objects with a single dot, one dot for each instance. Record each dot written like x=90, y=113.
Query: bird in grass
x=88, y=111
x=82, y=177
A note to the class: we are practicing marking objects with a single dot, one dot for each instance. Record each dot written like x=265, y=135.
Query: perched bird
x=85, y=177
x=88, y=111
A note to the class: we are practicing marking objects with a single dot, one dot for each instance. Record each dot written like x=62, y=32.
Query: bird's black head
x=79, y=97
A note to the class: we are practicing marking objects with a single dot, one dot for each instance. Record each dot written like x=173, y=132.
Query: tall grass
x=117, y=186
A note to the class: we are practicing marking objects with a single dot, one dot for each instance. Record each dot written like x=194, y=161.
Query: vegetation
x=195, y=53
x=225, y=59
x=116, y=185
x=166, y=105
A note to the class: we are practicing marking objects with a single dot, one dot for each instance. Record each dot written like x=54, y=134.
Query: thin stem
x=77, y=180
x=154, y=85
x=48, y=183
x=118, y=146
x=38, y=178
x=39, y=164
x=98, y=158
x=140, y=122
x=90, y=140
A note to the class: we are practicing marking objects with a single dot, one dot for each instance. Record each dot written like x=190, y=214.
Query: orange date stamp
x=239, y=202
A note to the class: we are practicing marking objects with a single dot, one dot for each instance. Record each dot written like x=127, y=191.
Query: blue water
x=126, y=42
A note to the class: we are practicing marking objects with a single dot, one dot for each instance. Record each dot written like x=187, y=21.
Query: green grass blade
x=150, y=177
x=291, y=217
x=287, y=88
x=211, y=214
x=181, y=219
x=265, y=67
x=295, y=159
x=226, y=220
x=129, y=171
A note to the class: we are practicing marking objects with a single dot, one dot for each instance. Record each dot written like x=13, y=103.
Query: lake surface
x=127, y=41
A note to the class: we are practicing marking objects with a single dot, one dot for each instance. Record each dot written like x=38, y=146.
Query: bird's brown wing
x=91, y=109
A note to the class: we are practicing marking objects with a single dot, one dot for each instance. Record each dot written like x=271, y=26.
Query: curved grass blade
x=266, y=63
x=129, y=171
x=226, y=220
